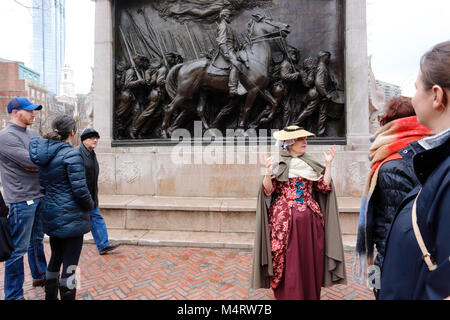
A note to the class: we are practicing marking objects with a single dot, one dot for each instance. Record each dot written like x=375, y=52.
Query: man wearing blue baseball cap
x=22, y=194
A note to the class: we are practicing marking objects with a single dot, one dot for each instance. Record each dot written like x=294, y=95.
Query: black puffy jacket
x=67, y=200
x=396, y=179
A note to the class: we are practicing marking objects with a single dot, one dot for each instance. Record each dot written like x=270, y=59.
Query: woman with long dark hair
x=67, y=204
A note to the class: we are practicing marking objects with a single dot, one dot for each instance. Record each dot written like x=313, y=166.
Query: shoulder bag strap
x=426, y=255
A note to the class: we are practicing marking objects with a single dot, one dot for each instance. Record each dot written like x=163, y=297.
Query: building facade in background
x=49, y=41
x=67, y=84
x=380, y=93
x=17, y=80
x=66, y=100
x=390, y=90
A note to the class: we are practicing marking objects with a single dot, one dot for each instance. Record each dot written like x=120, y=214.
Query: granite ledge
x=345, y=204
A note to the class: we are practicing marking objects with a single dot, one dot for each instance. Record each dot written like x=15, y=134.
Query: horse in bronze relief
x=190, y=78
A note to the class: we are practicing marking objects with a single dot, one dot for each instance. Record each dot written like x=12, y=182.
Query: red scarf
x=393, y=137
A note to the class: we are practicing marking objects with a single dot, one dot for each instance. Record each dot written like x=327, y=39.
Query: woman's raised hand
x=329, y=156
x=269, y=164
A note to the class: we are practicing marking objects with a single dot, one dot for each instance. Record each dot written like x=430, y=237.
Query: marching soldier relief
x=230, y=64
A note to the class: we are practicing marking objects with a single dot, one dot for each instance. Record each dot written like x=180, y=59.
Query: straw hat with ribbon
x=292, y=132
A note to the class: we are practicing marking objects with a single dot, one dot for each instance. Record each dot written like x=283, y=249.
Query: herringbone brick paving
x=145, y=272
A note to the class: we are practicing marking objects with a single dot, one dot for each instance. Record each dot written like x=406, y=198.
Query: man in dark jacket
x=89, y=140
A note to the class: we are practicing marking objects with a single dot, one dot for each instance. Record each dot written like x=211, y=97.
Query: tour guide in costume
x=298, y=243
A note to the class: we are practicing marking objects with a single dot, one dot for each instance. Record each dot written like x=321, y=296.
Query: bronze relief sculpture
x=228, y=64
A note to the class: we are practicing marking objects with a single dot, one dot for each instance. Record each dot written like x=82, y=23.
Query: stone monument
x=196, y=70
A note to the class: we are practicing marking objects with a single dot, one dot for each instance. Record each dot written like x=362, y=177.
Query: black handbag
x=6, y=243
x=3, y=208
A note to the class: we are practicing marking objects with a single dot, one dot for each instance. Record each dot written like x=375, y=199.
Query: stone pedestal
x=103, y=72
x=151, y=171
x=356, y=75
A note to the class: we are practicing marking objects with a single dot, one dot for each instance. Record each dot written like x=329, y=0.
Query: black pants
x=65, y=252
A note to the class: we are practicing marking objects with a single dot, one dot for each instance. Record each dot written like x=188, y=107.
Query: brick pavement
x=146, y=272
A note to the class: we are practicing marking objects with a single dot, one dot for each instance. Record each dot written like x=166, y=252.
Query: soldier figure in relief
x=156, y=79
x=283, y=73
x=129, y=106
x=320, y=94
x=226, y=41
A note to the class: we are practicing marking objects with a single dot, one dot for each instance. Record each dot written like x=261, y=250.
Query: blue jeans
x=28, y=235
x=98, y=229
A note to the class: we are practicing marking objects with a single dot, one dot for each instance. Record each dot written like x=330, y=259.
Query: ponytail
x=62, y=127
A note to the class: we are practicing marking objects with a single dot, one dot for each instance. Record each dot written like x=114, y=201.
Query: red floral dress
x=294, y=193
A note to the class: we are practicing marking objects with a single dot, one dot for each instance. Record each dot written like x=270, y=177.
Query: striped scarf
x=391, y=138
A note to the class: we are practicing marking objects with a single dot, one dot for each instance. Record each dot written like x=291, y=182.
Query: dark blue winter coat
x=404, y=274
x=67, y=200
x=396, y=179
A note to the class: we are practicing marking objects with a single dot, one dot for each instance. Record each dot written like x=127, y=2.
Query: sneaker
x=38, y=283
x=109, y=248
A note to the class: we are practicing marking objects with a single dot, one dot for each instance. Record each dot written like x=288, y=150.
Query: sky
x=398, y=33
x=16, y=33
